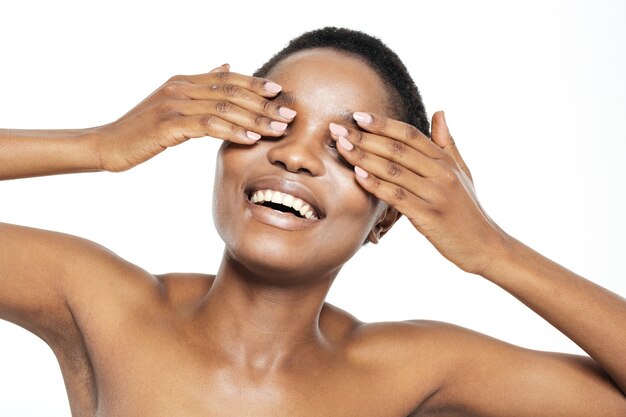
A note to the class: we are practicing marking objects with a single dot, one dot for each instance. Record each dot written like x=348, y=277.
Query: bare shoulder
x=400, y=336
x=409, y=334
x=413, y=357
x=420, y=344
x=439, y=363
x=102, y=275
x=50, y=280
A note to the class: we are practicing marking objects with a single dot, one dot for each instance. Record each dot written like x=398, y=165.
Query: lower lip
x=277, y=218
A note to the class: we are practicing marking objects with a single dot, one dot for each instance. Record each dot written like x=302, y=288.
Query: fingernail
x=253, y=135
x=361, y=173
x=338, y=130
x=287, y=113
x=278, y=126
x=345, y=143
x=363, y=118
x=271, y=87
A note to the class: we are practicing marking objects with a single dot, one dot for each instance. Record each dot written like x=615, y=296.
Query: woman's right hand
x=219, y=104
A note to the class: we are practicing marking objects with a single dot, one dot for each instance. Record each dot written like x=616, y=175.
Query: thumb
x=442, y=137
x=440, y=132
x=221, y=68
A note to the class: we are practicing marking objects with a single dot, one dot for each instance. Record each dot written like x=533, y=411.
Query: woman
x=323, y=151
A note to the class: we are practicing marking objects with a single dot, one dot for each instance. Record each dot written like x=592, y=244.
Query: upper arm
x=488, y=377
x=42, y=273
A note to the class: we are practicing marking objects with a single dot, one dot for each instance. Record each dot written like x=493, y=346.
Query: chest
x=170, y=384
x=173, y=382
x=144, y=368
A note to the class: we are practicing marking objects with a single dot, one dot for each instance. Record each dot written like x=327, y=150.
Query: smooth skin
x=257, y=338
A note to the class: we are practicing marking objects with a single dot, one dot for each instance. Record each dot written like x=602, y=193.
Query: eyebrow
x=288, y=98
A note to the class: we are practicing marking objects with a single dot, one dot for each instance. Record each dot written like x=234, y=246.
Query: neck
x=261, y=325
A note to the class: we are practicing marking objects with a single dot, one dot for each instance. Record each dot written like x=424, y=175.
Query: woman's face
x=323, y=86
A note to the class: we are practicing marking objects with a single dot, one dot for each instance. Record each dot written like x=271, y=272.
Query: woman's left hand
x=427, y=181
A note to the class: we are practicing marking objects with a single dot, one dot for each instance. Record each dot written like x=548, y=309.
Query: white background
x=534, y=92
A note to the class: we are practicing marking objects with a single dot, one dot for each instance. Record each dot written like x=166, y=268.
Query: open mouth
x=285, y=203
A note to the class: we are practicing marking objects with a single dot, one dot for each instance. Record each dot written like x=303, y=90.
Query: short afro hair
x=376, y=54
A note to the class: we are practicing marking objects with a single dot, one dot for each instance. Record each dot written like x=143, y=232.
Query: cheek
x=229, y=165
x=355, y=209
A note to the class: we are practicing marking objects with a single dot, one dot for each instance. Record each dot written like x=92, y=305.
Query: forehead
x=325, y=81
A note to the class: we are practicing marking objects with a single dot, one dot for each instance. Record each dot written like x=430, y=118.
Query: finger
x=403, y=132
x=386, y=170
x=443, y=138
x=412, y=206
x=229, y=112
x=221, y=68
x=241, y=97
x=389, y=149
x=187, y=127
x=261, y=86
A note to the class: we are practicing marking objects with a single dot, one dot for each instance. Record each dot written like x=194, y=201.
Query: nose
x=299, y=151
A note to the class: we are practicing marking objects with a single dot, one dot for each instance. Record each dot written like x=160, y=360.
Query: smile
x=284, y=202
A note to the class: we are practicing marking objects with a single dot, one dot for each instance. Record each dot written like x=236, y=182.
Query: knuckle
x=222, y=77
x=223, y=106
x=177, y=78
x=266, y=105
x=379, y=121
x=257, y=83
x=411, y=132
x=230, y=90
x=208, y=121
x=396, y=147
x=393, y=169
x=399, y=194
x=360, y=154
x=261, y=121
x=237, y=130
x=172, y=88
x=449, y=177
x=358, y=136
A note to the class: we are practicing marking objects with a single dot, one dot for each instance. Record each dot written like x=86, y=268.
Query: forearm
x=32, y=153
x=592, y=316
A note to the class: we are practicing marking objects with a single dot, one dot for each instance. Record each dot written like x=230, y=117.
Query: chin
x=281, y=263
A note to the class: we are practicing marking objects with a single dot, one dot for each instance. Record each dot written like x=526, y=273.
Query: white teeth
x=304, y=209
x=277, y=197
x=288, y=200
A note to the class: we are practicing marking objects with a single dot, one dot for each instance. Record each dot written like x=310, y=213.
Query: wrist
x=502, y=257
x=92, y=141
x=497, y=252
x=87, y=141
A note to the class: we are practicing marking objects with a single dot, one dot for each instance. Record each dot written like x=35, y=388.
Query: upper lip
x=283, y=185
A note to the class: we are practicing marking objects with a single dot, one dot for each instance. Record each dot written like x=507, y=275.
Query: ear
x=387, y=218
